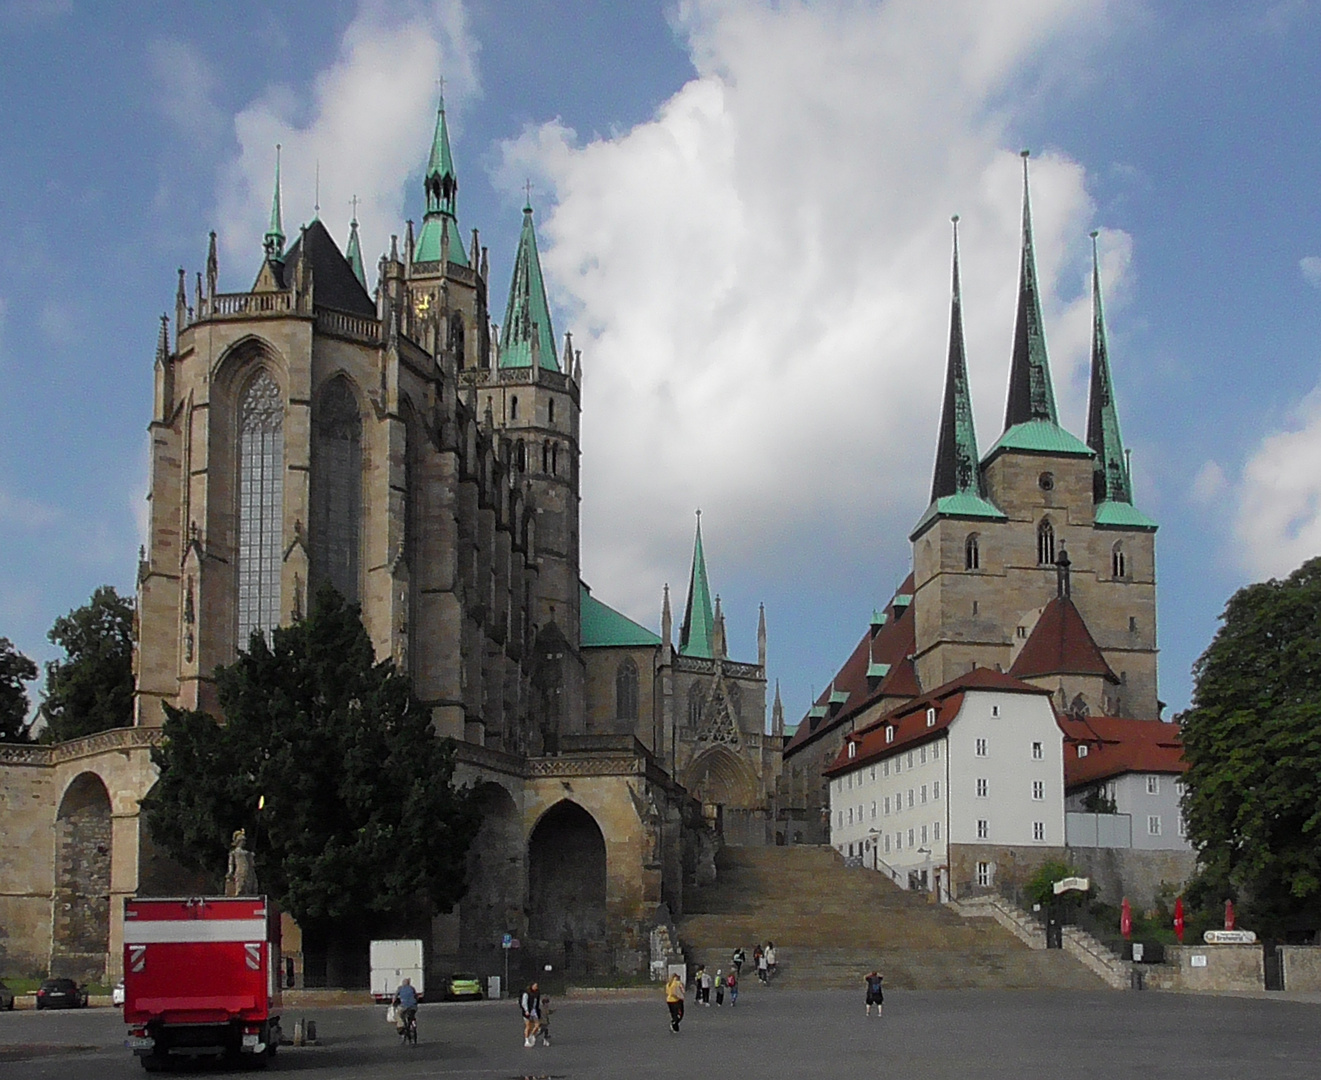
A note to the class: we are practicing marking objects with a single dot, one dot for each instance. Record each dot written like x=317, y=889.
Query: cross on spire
x=527, y=194
x=354, y=202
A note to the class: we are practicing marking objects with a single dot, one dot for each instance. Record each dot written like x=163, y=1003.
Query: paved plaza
x=772, y=1034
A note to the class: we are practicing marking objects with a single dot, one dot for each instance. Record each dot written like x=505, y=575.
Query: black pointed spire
x=956, y=451
x=1031, y=395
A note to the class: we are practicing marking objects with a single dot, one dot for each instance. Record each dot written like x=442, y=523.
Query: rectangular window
x=887, y=804
x=1153, y=825
x=1178, y=788
x=859, y=813
x=873, y=810
x=1038, y=830
x=910, y=838
x=1153, y=785
x=910, y=798
x=1082, y=749
x=1183, y=829
x=924, y=834
x=995, y=710
x=935, y=791
x=1038, y=790
x=983, y=787
x=981, y=747
x=935, y=751
x=841, y=819
x=850, y=817
x=983, y=829
x=839, y=784
x=922, y=756
x=885, y=768
x=910, y=759
x=1037, y=751
x=873, y=772
x=887, y=843
x=850, y=775
x=850, y=851
x=936, y=830
x=898, y=766
x=899, y=841
x=924, y=793
x=984, y=874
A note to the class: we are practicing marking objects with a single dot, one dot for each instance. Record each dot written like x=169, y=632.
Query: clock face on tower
x=422, y=304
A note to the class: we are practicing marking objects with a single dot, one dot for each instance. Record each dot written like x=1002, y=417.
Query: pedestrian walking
x=756, y=957
x=674, y=995
x=771, y=966
x=874, y=994
x=720, y=988
x=763, y=968
x=704, y=986
x=731, y=980
x=739, y=958
x=545, y=1021
x=530, y=1005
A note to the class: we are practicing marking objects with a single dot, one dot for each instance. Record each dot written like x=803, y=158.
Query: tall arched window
x=626, y=690
x=1046, y=543
x=337, y=488
x=545, y=457
x=521, y=455
x=555, y=459
x=457, y=345
x=972, y=553
x=550, y=410
x=1118, y=563
x=261, y=506
x=694, y=706
x=513, y=407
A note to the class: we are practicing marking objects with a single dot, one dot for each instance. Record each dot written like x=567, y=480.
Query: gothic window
x=1046, y=543
x=522, y=456
x=261, y=506
x=456, y=339
x=735, y=696
x=554, y=460
x=550, y=411
x=337, y=488
x=545, y=457
x=972, y=553
x=694, y=706
x=1118, y=562
x=626, y=690
x=513, y=407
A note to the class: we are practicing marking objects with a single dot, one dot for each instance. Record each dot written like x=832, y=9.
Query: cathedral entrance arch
x=489, y=909
x=567, y=889
x=80, y=937
x=726, y=787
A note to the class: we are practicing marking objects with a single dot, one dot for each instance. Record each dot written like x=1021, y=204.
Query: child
x=731, y=980
x=545, y=1021
x=720, y=988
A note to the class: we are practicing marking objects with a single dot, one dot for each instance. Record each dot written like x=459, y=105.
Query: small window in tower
x=1046, y=543
x=513, y=407
x=522, y=456
x=1046, y=481
x=1118, y=563
x=555, y=460
x=550, y=411
x=972, y=555
x=974, y=607
x=545, y=457
x=1132, y=624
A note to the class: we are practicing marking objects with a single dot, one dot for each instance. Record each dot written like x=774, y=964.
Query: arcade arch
x=567, y=885
x=80, y=934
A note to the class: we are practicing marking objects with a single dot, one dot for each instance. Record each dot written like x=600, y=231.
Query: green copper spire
x=354, y=255
x=1110, y=480
x=442, y=187
x=1031, y=395
x=527, y=337
x=273, y=242
x=698, y=630
x=958, y=488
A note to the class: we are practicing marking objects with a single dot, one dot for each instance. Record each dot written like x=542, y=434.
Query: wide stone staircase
x=832, y=924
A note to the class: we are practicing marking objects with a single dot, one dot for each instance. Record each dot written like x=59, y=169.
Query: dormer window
x=931, y=718
x=1082, y=750
x=889, y=733
x=853, y=749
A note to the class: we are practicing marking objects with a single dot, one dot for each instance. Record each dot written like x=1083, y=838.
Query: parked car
x=463, y=985
x=117, y=994
x=61, y=994
x=6, y=996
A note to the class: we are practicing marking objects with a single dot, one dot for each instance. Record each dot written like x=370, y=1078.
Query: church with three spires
x=1030, y=559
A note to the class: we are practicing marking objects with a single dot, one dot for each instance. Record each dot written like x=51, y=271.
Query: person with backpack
x=731, y=980
x=874, y=994
x=738, y=960
x=674, y=995
x=530, y=1005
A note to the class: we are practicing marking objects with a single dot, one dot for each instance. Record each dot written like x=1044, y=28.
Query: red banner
x=1126, y=919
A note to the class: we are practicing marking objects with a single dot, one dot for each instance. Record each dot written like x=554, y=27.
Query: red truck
x=202, y=978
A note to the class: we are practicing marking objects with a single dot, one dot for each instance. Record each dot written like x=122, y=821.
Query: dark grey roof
x=334, y=284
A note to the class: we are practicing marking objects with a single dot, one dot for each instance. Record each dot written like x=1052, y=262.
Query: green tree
x=331, y=766
x=15, y=670
x=1252, y=739
x=91, y=689
x=1040, y=887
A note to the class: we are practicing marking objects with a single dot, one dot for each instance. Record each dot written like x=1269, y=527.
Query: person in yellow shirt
x=674, y=994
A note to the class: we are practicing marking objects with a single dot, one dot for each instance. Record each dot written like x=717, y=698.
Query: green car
x=463, y=985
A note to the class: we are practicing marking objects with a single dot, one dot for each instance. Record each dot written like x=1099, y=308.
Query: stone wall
x=1127, y=872
x=1011, y=866
x=1225, y=967
x=1302, y=967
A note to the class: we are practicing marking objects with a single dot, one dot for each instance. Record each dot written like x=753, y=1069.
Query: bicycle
x=408, y=1032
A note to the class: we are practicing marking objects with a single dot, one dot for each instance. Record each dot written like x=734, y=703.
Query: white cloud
x=367, y=120
x=1279, y=510
x=25, y=513
x=1210, y=484
x=186, y=81
x=1310, y=265
x=759, y=276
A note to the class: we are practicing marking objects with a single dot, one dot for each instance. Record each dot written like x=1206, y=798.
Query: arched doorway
x=726, y=787
x=80, y=936
x=492, y=905
x=567, y=889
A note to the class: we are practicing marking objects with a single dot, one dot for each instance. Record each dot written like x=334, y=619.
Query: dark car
x=6, y=996
x=61, y=994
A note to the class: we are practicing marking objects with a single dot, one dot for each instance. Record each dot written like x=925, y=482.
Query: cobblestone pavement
x=772, y=1034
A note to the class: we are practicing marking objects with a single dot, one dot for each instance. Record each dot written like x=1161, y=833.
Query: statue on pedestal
x=241, y=878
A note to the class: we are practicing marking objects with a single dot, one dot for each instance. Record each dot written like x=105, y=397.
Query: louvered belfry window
x=337, y=489
x=261, y=506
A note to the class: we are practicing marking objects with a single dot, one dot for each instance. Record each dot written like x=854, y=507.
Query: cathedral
x=1030, y=559
x=387, y=437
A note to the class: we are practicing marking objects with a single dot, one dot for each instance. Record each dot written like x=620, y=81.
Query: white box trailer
x=393, y=962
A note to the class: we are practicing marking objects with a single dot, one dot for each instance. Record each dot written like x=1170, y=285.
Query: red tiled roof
x=909, y=721
x=893, y=644
x=1061, y=644
x=1117, y=745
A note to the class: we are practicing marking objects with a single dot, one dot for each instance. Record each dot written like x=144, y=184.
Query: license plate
x=139, y=1042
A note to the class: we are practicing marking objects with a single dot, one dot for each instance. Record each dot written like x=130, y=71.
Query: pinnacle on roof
x=1031, y=395
x=273, y=241
x=698, y=629
x=442, y=187
x=354, y=253
x=1110, y=480
x=528, y=338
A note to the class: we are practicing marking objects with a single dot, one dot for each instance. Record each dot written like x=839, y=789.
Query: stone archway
x=492, y=906
x=567, y=889
x=80, y=937
x=726, y=787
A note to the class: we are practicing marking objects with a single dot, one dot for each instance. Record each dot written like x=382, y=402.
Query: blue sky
x=744, y=215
